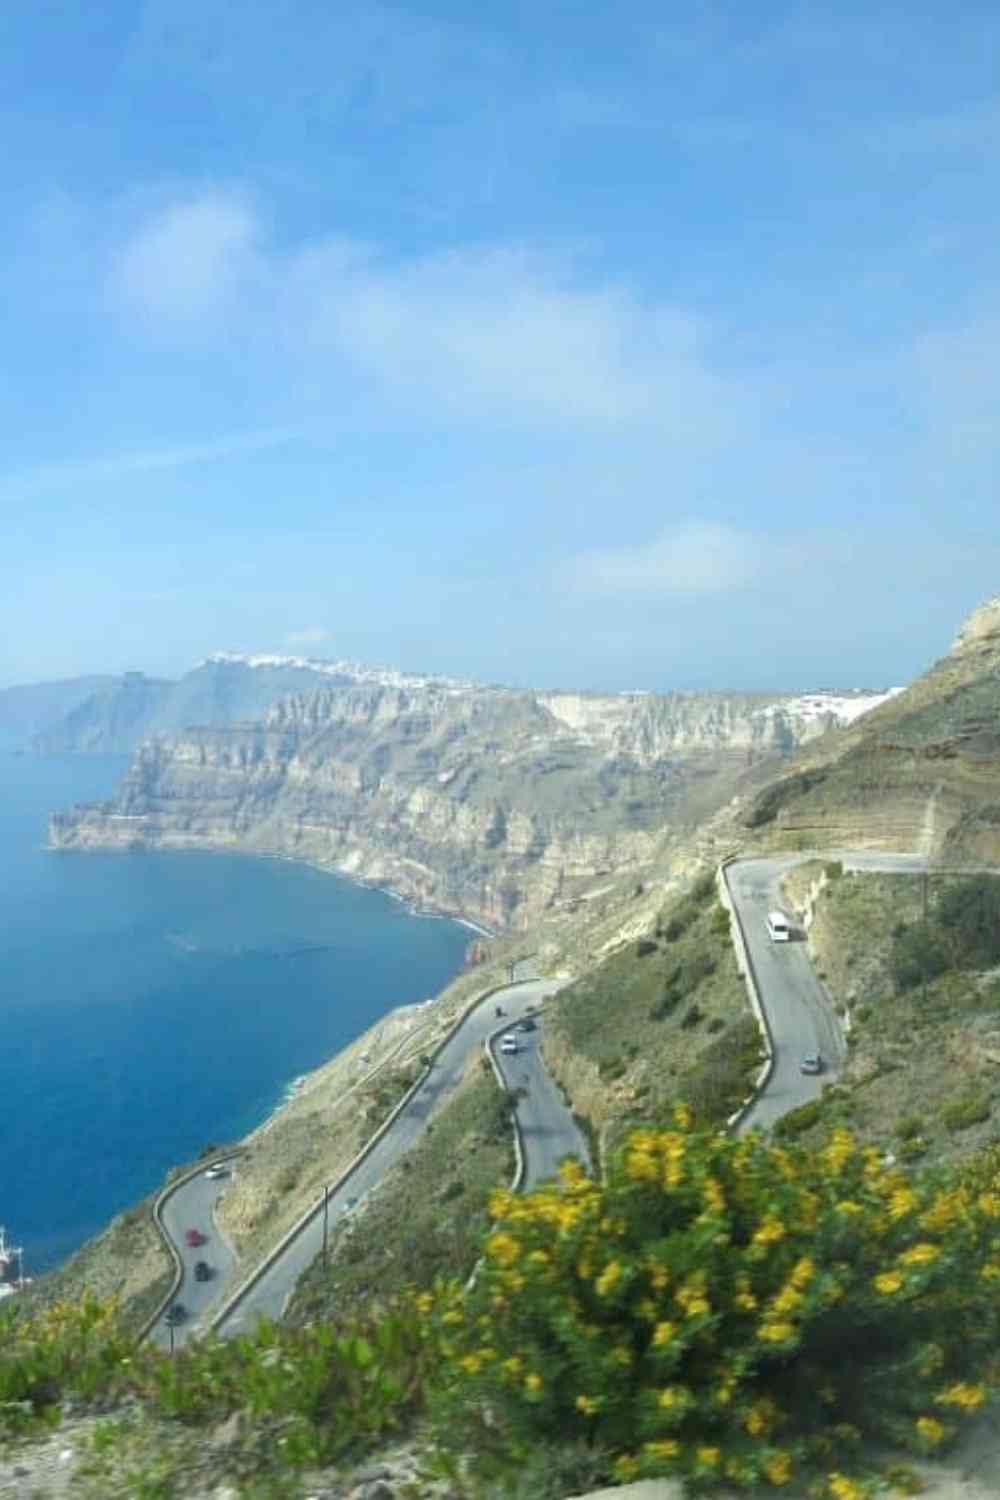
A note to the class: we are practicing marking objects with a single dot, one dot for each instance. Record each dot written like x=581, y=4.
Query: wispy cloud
x=692, y=558
x=189, y=261
x=312, y=635
x=486, y=334
x=120, y=465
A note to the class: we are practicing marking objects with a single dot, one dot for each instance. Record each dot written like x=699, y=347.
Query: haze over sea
x=153, y=1003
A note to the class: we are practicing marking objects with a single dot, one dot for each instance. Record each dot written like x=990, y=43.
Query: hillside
x=488, y=801
x=656, y=1010
x=920, y=773
x=36, y=707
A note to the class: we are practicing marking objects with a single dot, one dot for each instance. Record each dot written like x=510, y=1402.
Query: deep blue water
x=152, y=1003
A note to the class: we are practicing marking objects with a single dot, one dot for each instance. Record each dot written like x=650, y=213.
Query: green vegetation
x=427, y=1218
x=677, y=997
x=728, y=1311
x=923, y=1013
x=968, y=1108
x=722, y=1310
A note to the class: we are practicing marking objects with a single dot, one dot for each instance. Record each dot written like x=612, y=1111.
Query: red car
x=194, y=1237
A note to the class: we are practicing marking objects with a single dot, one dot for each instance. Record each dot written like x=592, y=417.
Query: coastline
x=441, y=913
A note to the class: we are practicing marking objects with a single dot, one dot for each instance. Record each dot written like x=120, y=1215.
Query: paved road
x=191, y=1207
x=548, y=1130
x=794, y=1001
x=270, y=1293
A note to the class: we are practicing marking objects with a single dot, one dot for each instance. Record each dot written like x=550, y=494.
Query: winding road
x=548, y=1132
x=799, y=1017
x=798, y=1010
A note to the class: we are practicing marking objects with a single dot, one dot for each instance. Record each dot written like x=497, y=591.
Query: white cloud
x=146, y=461
x=189, y=260
x=312, y=635
x=692, y=558
x=511, y=335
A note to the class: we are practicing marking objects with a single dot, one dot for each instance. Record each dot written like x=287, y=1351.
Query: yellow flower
x=902, y=1202
x=470, y=1363
x=989, y=1203
x=838, y=1152
x=627, y=1465
x=503, y=1248
x=672, y=1397
x=532, y=1383
x=787, y=1300
x=969, y=1397
x=663, y=1334
x=708, y=1457
x=946, y=1208
x=770, y=1232
x=888, y=1283
x=920, y=1255
x=848, y=1206
x=805, y=1270
x=778, y=1469
x=621, y=1355
x=930, y=1429
x=762, y=1416
x=662, y=1448
x=775, y=1333
x=587, y=1405
x=715, y=1200
x=608, y=1278
x=513, y=1365
x=843, y=1488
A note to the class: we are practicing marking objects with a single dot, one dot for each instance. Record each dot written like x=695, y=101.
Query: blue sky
x=603, y=346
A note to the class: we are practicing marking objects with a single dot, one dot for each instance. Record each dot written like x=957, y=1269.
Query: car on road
x=175, y=1313
x=527, y=1024
x=202, y=1270
x=219, y=1169
x=508, y=1043
x=778, y=928
x=811, y=1063
x=194, y=1237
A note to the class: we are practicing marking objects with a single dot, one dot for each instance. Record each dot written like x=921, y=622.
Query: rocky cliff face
x=486, y=801
x=920, y=773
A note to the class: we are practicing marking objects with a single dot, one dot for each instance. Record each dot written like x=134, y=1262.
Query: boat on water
x=12, y=1277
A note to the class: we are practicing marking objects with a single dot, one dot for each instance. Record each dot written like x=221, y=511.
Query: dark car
x=194, y=1237
x=176, y=1313
x=527, y=1025
x=202, y=1270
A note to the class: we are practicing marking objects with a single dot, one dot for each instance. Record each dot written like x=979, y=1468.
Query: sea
x=152, y=1004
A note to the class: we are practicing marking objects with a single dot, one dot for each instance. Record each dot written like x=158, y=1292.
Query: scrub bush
x=732, y=1311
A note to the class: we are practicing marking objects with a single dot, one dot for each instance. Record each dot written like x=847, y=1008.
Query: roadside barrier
x=744, y=963
x=172, y=1251
x=310, y=1213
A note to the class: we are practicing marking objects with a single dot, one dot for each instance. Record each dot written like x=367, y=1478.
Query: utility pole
x=326, y=1219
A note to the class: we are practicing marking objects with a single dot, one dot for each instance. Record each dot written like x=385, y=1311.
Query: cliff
x=487, y=801
x=920, y=773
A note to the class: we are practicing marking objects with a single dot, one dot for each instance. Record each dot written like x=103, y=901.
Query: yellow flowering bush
x=732, y=1311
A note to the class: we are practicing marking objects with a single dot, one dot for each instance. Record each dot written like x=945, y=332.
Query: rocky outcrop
x=920, y=773
x=486, y=801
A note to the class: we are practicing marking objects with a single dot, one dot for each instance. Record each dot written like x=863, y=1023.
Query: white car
x=508, y=1043
x=218, y=1170
x=811, y=1063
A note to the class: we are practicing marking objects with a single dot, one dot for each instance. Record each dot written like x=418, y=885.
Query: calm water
x=151, y=1003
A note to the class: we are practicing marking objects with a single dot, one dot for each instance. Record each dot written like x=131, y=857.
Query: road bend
x=268, y=1294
